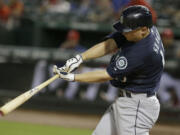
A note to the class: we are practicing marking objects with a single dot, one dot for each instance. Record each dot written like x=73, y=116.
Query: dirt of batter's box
x=75, y=120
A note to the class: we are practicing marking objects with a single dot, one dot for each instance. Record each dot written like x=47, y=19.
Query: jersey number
x=158, y=41
x=162, y=55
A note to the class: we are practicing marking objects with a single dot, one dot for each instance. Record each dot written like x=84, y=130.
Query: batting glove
x=72, y=64
x=62, y=74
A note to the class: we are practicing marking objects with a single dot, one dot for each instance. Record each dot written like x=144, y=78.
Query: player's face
x=137, y=34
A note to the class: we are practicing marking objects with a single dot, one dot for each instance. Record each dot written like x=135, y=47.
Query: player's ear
x=144, y=30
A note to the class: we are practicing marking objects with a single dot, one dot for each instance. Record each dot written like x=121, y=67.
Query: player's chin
x=131, y=39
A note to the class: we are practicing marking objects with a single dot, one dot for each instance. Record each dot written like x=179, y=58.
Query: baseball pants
x=129, y=116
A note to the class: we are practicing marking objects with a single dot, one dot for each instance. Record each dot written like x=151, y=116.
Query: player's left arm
x=88, y=77
x=93, y=76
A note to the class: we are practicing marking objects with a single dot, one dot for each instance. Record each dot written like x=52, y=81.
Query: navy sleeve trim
x=109, y=72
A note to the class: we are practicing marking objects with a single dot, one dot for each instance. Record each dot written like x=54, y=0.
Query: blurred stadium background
x=36, y=34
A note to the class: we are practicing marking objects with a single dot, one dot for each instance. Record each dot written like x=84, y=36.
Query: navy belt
x=125, y=93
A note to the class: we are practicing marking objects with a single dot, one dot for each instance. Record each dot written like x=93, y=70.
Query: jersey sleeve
x=124, y=65
x=118, y=38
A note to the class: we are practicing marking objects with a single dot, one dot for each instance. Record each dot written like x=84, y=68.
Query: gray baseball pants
x=129, y=116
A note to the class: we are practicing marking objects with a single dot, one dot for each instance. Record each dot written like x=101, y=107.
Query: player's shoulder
x=154, y=29
x=117, y=37
x=154, y=32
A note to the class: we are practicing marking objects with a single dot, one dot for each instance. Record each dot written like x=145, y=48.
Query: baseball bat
x=16, y=102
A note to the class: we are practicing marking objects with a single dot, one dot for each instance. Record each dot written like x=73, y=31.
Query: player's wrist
x=79, y=58
x=82, y=57
x=67, y=76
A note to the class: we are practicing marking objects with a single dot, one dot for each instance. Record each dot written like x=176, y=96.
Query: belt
x=125, y=93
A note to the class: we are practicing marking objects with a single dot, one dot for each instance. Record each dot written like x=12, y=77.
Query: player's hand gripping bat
x=16, y=102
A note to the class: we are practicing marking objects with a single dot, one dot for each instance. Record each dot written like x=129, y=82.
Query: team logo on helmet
x=121, y=63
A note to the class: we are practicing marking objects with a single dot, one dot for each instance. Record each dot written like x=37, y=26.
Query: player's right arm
x=100, y=50
x=94, y=52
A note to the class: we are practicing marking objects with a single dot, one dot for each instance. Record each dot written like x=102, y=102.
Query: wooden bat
x=16, y=102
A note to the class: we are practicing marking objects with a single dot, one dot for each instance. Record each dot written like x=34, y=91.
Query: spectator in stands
x=72, y=41
x=102, y=11
x=168, y=40
x=176, y=18
x=17, y=9
x=118, y=5
x=56, y=6
x=178, y=52
x=4, y=12
x=144, y=3
x=169, y=92
x=150, y=1
x=121, y=4
x=83, y=9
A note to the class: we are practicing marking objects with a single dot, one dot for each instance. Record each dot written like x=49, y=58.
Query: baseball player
x=136, y=69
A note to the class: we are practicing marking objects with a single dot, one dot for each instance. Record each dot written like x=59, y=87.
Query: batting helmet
x=134, y=17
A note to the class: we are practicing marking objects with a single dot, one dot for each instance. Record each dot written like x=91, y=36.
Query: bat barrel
x=16, y=102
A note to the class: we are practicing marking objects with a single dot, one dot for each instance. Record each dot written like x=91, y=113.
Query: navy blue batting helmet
x=134, y=17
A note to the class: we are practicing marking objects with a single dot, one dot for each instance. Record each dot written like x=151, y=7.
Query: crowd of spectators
x=110, y=10
x=89, y=10
x=168, y=12
x=10, y=13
